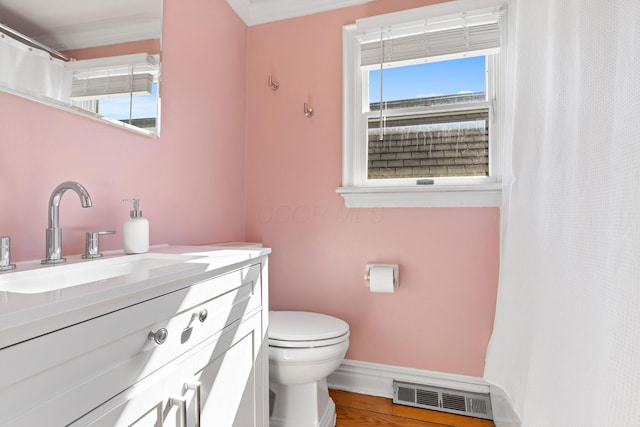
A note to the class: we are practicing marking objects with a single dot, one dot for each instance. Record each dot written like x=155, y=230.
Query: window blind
x=477, y=32
x=113, y=76
x=112, y=86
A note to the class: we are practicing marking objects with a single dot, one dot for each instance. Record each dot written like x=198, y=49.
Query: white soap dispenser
x=135, y=231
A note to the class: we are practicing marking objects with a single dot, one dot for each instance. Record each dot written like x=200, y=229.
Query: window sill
x=421, y=197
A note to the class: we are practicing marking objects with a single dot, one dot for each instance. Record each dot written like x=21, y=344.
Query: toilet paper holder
x=396, y=278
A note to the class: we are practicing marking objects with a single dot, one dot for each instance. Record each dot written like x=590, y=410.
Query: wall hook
x=308, y=111
x=273, y=85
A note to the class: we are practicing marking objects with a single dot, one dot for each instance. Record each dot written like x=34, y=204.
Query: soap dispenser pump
x=135, y=231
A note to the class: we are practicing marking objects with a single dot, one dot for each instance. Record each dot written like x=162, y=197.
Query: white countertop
x=24, y=315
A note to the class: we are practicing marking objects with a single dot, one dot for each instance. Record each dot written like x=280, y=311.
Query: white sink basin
x=51, y=278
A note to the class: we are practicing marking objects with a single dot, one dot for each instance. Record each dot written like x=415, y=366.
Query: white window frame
x=357, y=189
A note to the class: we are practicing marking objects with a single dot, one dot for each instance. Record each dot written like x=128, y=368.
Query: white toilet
x=304, y=348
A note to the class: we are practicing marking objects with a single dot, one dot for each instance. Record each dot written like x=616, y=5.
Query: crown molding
x=108, y=32
x=254, y=12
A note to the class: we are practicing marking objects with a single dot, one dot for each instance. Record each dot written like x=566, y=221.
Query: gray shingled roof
x=419, y=146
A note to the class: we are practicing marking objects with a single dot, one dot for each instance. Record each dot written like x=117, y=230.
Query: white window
x=422, y=105
x=122, y=89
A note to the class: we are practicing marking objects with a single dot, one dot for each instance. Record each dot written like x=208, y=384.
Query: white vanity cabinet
x=195, y=356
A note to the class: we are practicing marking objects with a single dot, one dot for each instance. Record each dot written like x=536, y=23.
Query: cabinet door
x=227, y=386
x=224, y=377
x=148, y=404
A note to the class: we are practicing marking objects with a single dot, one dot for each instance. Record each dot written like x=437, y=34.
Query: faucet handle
x=92, y=243
x=5, y=254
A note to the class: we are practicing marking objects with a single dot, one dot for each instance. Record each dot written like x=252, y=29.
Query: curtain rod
x=13, y=33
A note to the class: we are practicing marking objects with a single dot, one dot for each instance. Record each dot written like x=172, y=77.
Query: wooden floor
x=359, y=410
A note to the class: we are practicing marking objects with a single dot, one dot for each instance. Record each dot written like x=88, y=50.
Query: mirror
x=97, y=58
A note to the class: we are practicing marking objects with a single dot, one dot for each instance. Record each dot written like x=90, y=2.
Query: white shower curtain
x=566, y=342
x=33, y=72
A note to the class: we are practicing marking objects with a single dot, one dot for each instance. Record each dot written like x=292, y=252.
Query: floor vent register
x=457, y=402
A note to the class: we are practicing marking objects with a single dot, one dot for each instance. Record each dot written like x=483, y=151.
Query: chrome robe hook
x=308, y=111
x=273, y=85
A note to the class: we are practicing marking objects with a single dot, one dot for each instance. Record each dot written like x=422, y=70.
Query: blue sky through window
x=144, y=106
x=450, y=77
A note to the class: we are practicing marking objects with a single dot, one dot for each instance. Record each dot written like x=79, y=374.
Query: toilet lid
x=305, y=329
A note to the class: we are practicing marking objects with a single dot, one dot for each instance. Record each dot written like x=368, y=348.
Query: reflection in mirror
x=121, y=88
x=95, y=58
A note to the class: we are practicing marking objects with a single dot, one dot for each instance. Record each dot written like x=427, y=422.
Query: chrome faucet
x=5, y=254
x=54, y=233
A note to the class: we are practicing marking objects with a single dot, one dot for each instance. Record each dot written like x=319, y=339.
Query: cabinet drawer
x=95, y=360
x=214, y=383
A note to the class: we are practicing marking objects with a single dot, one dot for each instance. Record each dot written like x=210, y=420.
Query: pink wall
x=190, y=180
x=150, y=46
x=441, y=317
x=192, y=184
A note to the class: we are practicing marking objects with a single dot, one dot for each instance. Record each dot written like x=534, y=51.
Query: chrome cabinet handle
x=159, y=336
x=195, y=387
x=202, y=316
x=182, y=409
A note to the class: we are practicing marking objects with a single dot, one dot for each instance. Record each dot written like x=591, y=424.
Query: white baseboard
x=376, y=379
x=504, y=413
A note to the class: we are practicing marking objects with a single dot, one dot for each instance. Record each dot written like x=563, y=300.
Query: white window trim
x=485, y=195
x=356, y=192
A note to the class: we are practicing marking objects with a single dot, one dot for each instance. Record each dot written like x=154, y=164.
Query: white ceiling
x=254, y=12
x=75, y=24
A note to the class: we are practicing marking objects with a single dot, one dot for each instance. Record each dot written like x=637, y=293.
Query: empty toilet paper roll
x=381, y=278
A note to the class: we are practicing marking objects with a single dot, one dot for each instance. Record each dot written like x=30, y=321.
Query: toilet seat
x=299, y=329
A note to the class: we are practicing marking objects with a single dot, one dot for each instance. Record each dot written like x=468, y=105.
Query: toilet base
x=302, y=405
